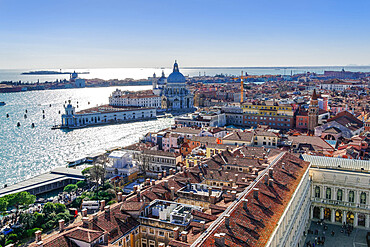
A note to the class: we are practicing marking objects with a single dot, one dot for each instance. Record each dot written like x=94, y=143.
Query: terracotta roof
x=254, y=226
x=85, y=235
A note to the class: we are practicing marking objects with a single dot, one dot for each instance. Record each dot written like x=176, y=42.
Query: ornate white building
x=340, y=190
x=175, y=96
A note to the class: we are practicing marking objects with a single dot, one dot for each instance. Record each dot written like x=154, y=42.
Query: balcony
x=342, y=203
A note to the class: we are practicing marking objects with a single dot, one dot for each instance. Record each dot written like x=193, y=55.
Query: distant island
x=49, y=72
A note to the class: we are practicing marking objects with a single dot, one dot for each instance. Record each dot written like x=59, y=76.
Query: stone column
x=321, y=213
x=311, y=212
x=355, y=220
x=344, y=216
x=333, y=215
x=367, y=219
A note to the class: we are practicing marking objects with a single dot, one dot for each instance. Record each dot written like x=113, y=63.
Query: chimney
x=256, y=171
x=172, y=193
x=61, y=225
x=135, y=188
x=147, y=181
x=233, y=195
x=107, y=212
x=236, y=177
x=119, y=196
x=84, y=212
x=227, y=220
x=255, y=193
x=176, y=232
x=164, y=173
x=203, y=223
x=212, y=199
x=220, y=239
x=40, y=244
x=271, y=182
x=37, y=236
x=153, y=182
x=102, y=205
x=266, y=179
x=245, y=204
x=271, y=172
x=184, y=236
x=165, y=184
x=86, y=222
x=159, y=176
x=209, y=191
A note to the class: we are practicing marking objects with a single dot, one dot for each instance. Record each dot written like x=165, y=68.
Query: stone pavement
x=357, y=238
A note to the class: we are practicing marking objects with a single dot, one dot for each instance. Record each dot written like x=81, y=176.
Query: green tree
x=3, y=204
x=60, y=208
x=81, y=184
x=48, y=208
x=21, y=198
x=96, y=173
x=27, y=220
x=70, y=187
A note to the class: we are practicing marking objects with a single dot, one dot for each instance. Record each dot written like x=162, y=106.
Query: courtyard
x=335, y=235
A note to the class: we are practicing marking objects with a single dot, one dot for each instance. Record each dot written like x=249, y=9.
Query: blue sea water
x=27, y=151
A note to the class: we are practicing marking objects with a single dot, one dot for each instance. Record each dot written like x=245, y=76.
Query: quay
x=53, y=180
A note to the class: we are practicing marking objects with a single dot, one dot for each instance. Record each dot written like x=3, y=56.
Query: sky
x=198, y=33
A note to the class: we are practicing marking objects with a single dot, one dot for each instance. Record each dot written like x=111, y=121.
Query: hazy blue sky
x=138, y=33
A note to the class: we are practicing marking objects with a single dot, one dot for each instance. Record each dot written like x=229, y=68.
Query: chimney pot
x=119, y=196
x=255, y=193
x=38, y=236
x=227, y=220
x=245, y=204
x=61, y=225
x=84, y=212
x=102, y=205
x=271, y=182
x=176, y=232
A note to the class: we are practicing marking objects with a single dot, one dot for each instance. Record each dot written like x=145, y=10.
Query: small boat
x=43, y=116
x=7, y=115
x=18, y=124
x=26, y=111
x=59, y=112
x=43, y=111
x=25, y=115
x=50, y=105
x=2, y=103
x=33, y=125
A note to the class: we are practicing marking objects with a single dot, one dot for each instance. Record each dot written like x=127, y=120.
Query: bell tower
x=313, y=113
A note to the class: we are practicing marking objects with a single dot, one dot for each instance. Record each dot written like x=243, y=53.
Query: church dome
x=176, y=76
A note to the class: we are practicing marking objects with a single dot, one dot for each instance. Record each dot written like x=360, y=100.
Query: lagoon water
x=27, y=151
x=143, y=73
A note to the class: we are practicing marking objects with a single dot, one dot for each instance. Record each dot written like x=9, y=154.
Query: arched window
x=317, y=192
x=340, y=195
x=363, y=198
x=328, y=193
x=351, y=196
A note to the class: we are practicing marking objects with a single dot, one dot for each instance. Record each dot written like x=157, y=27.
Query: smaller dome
x=176, y=76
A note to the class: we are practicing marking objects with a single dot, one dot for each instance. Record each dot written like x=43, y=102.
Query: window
x=339, y=195
x=170, y=235
x=151, y=231
x=317, y=192
x=143, y=243
x=151, y=243
x=143, y=229
x=363, y=198
x=351, y=196
x=161, y=233
x=328, y=193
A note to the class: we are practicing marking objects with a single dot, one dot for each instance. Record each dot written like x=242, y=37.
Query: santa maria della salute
x=175, y=97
